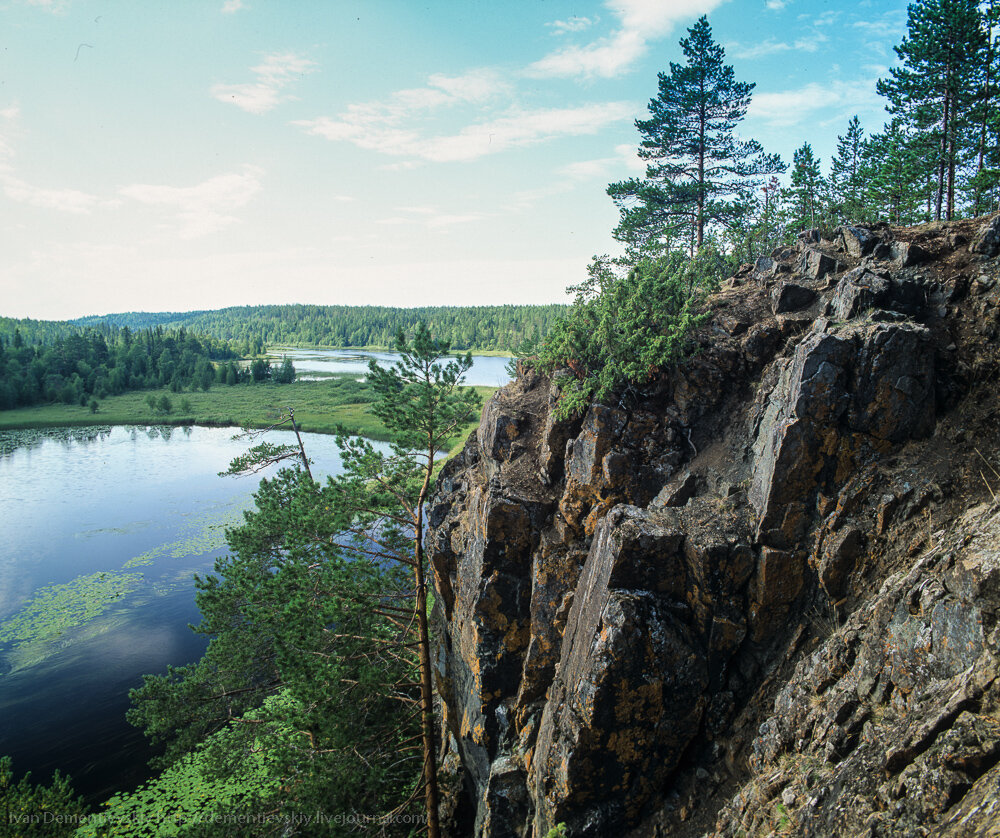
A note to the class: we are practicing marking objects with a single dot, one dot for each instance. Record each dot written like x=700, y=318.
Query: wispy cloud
x=205, y=207
x=274, y=75
x=776, y=5
x=802, y=105
x=639, y=22
x=401, y=124
x=573, y=24
x=232, y=6
x=67, y=200
x=64, y=200
x=512, y=130
x=771, y=46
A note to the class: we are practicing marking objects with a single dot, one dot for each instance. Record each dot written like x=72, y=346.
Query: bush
x=623, y=329
x=164, y=405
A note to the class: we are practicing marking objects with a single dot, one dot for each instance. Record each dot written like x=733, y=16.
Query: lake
x=486, y=370
x=103, y=529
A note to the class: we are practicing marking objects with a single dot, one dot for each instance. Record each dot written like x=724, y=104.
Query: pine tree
x=897, y=176
x=699, y=173
x=805, y=197
x=936, y=87
x=846, y=186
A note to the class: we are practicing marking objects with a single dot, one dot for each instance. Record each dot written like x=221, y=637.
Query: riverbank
x=340, y=403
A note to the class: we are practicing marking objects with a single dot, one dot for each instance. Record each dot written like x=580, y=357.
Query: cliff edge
x=757, y=595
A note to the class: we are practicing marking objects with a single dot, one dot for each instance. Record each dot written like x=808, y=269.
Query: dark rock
x=816, y=264
x=619, y=714
x=857, y=291
x=894, y=383
x=837, y=560
x=676, y=493
x=987, y=238
x=907, y=254
x=555, y=432
x=789, y=296
x=857, y=241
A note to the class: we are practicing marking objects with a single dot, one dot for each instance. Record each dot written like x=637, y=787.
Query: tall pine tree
x=699, y=173
x=846, y=185
x=936, y=87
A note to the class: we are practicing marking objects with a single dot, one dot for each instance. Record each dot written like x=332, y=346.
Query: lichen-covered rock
x=620, y=713
x=790, y=296
x=750, y=569
x=987, y=238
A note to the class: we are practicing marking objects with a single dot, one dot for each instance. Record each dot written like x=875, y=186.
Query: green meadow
x=336, y=403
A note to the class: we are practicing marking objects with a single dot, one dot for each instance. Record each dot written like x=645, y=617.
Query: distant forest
x=42, y=361
x=251, y=329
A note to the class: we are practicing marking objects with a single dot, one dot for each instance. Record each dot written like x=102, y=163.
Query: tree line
x=937, y=157
x=710, y=200
x=252, y=328
x=87, y=365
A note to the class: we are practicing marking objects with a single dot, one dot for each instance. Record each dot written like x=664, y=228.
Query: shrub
x=623, y=329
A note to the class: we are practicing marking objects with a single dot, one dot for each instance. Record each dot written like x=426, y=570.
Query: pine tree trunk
x=942, y=162
x=426, y=675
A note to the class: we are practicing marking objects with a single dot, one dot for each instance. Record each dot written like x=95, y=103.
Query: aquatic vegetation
x=56, y=609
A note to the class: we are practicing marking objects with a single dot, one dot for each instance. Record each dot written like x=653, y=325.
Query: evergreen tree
x=699, y=173
x=896, y=176
x=846, y=185
x=936, y=87
x=805, y=197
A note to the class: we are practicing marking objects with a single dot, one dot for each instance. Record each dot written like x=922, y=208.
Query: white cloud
x=771, y=46
x=276, y=73
x=625, y=159
x=398, y=125
x=574, y=24
x=776, y=5
x=793, y=107
x=384, y=132
x=640, y=21
x=206, y=207
x=63, y=200
x=231, y=6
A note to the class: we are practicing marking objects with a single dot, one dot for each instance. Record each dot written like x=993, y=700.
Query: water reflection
x=103, y=530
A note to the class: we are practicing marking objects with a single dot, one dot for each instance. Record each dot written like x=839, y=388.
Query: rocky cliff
x=758, y=595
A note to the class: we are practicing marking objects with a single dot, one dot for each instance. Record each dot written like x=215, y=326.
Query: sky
x=173, y=155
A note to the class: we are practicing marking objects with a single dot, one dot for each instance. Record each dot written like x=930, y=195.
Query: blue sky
x=182, y=155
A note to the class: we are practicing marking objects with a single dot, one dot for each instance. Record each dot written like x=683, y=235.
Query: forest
x=252, y=328
x=84, y=366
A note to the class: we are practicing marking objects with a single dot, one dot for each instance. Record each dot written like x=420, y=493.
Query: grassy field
x=324, y=406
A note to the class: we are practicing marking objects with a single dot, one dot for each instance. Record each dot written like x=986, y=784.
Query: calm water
x=102, y=530
x=486, y=371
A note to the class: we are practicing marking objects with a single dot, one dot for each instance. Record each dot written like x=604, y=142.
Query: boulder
x=857, y=241
x=987, y=238
x=816, y=264
x=790, y=296
x=857, y=291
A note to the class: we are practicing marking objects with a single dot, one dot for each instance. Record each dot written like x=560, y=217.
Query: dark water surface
x=101, y=531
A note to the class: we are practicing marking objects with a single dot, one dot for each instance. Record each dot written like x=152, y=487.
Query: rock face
x=762, y=596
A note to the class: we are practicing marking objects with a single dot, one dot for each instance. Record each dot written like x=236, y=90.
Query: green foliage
x=252, y=328
x=295, y=705
x=699, y=174
x=73, y=365
x=623, y=330
x=29, y=809
x=304, y=700
x=558, y=831
x=935, y=88
x=806, y=198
